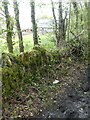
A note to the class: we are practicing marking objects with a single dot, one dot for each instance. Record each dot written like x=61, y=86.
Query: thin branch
x=53, y=10
x=76, y=36
x=2, y=14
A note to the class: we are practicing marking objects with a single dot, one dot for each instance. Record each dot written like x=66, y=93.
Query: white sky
x=25, y=11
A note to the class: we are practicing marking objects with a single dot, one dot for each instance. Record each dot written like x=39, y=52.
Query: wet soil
x=70, y=100
x=73, y=100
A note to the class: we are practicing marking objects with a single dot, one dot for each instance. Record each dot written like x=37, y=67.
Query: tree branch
x=76, y=36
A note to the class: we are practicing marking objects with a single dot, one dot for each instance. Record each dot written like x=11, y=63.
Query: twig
x=76, y=36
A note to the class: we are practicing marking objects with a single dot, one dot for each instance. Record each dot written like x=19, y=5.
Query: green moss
x=25, y=68
x=6, y=76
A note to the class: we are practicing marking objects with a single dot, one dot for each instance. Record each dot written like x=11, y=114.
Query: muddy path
x=70, y=99
x=73, y=100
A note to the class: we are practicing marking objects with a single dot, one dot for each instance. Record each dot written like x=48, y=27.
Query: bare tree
x=34, y=25
x=16, y=12
x=69, y=21
x=55, y=20
x=60, y=26
x=81, y=17
x=75, y=6
x=9, y=26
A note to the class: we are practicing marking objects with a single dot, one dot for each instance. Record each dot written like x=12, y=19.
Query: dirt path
x=72, y=101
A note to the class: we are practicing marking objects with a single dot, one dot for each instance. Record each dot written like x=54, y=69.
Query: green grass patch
x=46, y=40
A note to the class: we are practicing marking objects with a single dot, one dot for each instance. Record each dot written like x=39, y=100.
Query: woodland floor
x=66, y=99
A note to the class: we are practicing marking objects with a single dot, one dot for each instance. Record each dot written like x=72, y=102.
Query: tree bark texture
x=60, y=27
x=34, y=25
x=55, y=20
x=16, y=12
x=75, y=6
x=9, y=27
x=89, y=43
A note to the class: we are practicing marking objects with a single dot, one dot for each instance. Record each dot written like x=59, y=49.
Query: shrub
x=24, y=68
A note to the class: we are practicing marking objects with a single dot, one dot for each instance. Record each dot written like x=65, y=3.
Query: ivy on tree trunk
x=34, y=25
x=60, y=26
x=89, y=43
x=75, y=6
x=16, y=12
x=9, y=26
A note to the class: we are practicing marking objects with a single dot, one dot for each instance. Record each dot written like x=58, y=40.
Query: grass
x=27, y=41
x=46, y=40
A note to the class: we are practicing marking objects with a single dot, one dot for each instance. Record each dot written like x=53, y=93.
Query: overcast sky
x=25, y=11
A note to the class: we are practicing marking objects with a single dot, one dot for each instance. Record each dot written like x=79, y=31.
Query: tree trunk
x=9, y=27
x=55, y=21
x=65, y=23
x=82, y=11
x=76, y=14
x=16, y=12
x=34, y=26
x=89, y=43
x=60, y=26
x=69, y=22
